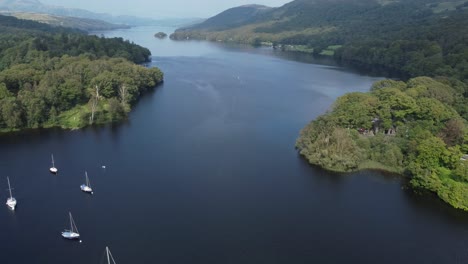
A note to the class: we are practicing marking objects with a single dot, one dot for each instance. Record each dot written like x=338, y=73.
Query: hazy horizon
x=160, y=9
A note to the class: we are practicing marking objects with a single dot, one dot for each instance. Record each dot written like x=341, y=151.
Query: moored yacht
x=87, y=186
x=73, y=232
x=53, y=169
x=11, y=202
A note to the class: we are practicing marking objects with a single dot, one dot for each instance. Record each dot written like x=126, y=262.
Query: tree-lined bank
x=60, y=77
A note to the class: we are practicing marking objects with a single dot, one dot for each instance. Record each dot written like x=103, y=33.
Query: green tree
x=116, y=110
x=355, y=110
x=11, y=113
x=395, y=106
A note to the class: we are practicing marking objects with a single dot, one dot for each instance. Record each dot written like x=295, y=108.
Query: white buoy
x=81, y=241
x=103, y=166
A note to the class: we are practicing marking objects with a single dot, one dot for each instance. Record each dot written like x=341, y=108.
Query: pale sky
x=161, y=8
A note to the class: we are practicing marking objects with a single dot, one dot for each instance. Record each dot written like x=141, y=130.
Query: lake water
x=205, y=171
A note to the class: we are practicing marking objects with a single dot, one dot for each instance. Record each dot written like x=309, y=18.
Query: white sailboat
x=73, y=232
x=53, y=169
x=87, y=186
x=11, y=202
x=109, y=256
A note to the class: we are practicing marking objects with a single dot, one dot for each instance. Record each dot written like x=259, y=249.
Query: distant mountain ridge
x=85, y=24
x=233, y=17
x=36, y=6
x=19, y=3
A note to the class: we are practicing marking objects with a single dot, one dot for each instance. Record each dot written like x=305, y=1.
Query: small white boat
x=87, y=186
x=73, y=232
x=11, y=202
x=53, y=169
x=109, y=256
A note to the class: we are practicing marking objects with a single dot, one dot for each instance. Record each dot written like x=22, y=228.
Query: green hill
x=231, y=18
x=416, y=37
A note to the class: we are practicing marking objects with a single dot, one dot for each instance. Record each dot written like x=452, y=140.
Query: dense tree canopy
x=413, y=128
x=59, y=77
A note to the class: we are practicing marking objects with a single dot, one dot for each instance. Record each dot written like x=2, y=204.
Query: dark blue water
x=205, y=171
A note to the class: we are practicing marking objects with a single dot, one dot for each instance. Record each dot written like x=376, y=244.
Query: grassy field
x=330, y=50
x=72, y=118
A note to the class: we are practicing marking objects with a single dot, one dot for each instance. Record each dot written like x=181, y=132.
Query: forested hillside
x=60, y=77
x=233, y=17
x=413, y=38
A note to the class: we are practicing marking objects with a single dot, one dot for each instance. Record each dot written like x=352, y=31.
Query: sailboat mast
x=73, y=225
x=9, y=187
x=107, y=251
x=109, y=256
x=87, y=179
x=71, y=222
x=53, y=164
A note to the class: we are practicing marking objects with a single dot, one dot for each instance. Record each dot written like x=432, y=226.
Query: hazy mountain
x=36, y=6
x=19, y=4
x=85, y=24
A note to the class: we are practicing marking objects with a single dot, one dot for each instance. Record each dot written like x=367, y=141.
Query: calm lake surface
x=205, y=171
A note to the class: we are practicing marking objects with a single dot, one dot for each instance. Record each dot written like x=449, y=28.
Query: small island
x=416, y=128
x=160, y=35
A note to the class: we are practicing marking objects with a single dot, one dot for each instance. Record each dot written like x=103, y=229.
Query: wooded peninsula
x=412, y=128
x=57, y=77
